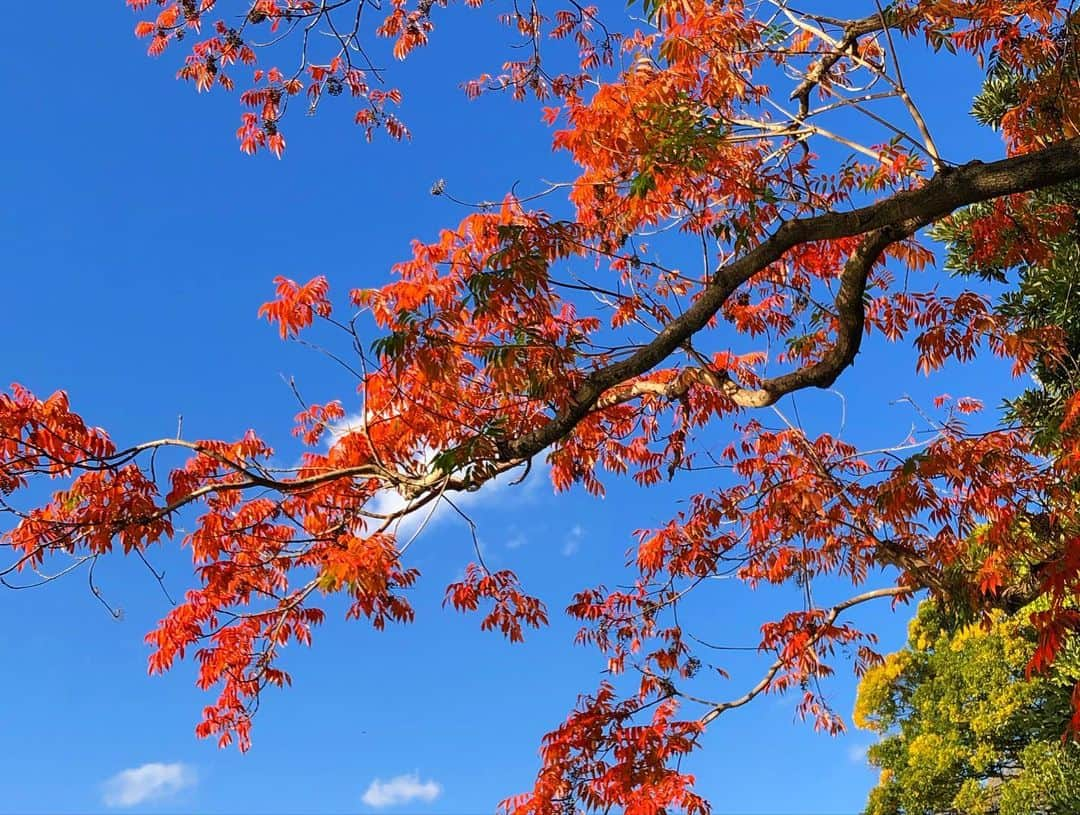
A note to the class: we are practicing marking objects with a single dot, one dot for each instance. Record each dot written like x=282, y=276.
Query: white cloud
x=857, y=753
x=402, y=789
x=498, y=489
x=150, y=782
x=335, y=430
x=516, y=541
x=572, y=541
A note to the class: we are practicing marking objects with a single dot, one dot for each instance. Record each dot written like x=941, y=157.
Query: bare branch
x=830, y=617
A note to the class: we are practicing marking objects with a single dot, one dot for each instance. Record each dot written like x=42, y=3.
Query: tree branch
x=830, y=618
x=899, y=215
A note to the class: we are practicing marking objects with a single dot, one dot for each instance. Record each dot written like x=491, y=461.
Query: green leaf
x=446, y=461
x=391, y=346
x=642, y=184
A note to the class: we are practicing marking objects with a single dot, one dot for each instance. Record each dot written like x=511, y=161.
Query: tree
x=724, y=122
x=963, y=731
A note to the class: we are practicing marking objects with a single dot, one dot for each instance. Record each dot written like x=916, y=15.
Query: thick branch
x=900, y=214
x=851, y=314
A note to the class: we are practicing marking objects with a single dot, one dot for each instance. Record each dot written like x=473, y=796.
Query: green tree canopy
x=963, y=730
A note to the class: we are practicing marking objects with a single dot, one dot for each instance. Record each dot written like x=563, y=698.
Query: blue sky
x=136, y=243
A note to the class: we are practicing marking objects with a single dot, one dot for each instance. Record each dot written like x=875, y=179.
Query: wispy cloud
x=572, y=541
x=150, y=782
x=388, y=502
x=401, y=789
x=857, y=753
x=353, y=422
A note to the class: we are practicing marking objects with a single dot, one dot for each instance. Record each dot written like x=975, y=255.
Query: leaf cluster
x=963, y=729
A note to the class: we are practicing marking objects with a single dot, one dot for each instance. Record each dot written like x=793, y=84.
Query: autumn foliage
x=718, y=124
